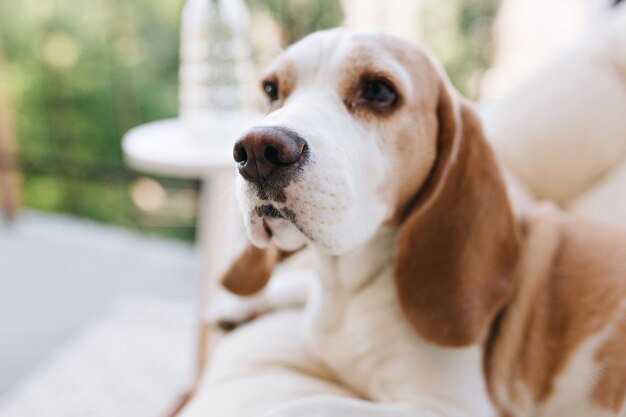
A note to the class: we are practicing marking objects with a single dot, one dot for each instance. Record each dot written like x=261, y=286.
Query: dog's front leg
x=332, y=406
x=289, y=288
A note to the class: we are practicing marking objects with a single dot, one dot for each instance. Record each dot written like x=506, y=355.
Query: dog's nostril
x=271, y=155
x=266, y=152
x=239, y=154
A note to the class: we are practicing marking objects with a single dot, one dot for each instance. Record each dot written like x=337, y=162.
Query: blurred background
x=78, y=74
x=81, y=228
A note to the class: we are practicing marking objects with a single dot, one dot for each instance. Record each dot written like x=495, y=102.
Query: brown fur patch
x=458, y=245
x=610, y=389
x=251, y=270
x=542, y=234
x=408, y=132
x=285, y=76
x=578, y=298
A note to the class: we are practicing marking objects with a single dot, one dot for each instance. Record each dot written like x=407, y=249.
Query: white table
x=169, y=148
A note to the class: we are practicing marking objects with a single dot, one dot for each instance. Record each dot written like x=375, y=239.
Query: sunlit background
x=83, y=230
x=78, y=74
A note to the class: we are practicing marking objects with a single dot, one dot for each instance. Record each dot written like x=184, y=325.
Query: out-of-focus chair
x=562, y=132
x=9, y=176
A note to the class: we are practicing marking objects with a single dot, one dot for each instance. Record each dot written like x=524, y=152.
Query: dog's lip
x=267, y=228
x=271, y=219
x=269, y=211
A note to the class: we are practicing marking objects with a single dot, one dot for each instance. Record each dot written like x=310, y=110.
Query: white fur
x=578, y=379
x=289, y=287
x=335, y=198
x=355, y=324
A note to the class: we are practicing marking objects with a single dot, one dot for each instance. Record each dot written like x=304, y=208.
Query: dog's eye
x=271, y=90
x=379, y=93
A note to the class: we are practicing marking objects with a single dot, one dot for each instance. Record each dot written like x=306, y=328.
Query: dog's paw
x=288, y=289
x=229, y=311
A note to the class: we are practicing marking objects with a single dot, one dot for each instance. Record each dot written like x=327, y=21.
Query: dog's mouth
x=272, y=217
x=267, y=229
x=268, y=211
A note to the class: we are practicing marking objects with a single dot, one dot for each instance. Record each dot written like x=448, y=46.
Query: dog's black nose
x=267, y=152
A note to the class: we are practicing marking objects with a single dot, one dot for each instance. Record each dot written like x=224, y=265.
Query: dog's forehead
x=316, y=50
x=339, y=53
x=332, y=48
x=329, y=48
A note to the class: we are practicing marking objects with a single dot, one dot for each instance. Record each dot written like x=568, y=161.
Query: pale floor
x=58, y=273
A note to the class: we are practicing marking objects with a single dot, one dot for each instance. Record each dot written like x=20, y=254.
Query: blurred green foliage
x=459, y=34
x=298, y=18
x=81, y=73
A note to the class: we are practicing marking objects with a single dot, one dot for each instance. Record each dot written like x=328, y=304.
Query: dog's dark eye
x=379, y=93
x=271, y=90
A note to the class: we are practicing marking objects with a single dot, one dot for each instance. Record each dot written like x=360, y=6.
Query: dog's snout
x=266, y=152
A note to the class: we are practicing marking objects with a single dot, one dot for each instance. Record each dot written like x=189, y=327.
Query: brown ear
x=458, y=244
x=251, y=270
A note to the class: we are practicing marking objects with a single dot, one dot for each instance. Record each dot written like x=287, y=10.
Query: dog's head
x=350, y=136
x=364, y=130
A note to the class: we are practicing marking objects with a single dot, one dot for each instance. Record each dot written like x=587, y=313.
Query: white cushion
x=563, y=130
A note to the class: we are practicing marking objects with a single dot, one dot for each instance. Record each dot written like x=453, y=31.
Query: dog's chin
x=288, y=237
x=332, y=225
x=281, y=232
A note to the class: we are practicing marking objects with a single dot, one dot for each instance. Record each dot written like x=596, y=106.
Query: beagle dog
x=430, y=293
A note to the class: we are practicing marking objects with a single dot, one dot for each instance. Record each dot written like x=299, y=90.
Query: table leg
x=219, y=228
x=9, y=178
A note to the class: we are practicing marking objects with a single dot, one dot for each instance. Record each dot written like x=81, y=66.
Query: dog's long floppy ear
x=458, y=243
x=251, y=270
